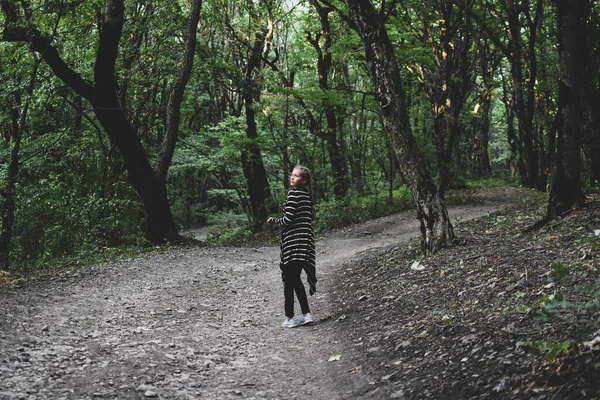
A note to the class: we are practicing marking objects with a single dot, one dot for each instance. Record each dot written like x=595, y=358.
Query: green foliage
x=559, y=271
x=72, y=197
x=228, y=228
x=237, y=235
x=590, y=242
x=334, y=213
x=552, y=351
x=206, y=173
x=556, y=306
x=489, y=183
x=54, y=224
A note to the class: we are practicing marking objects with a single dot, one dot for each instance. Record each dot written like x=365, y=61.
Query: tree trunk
x=8, y=210
x=254, y=170
x=324, y=57
x=356, y=154
x=165, y=156
x=482, y=139
x=523, y=89
x=111, y=114
x=489, y=61
x=514, y=164
x=436, y=229
x=283, y=148
x=252, y=163
x=566, y=191
x=591, y=134
x=448, y=83
x=16, y=129
x=591, y=99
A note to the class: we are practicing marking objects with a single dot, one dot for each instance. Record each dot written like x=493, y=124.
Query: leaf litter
x=505, y=313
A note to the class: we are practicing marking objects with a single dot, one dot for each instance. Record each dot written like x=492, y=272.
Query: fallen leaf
x=592, y=342
x=335, y=357
x=416, y=266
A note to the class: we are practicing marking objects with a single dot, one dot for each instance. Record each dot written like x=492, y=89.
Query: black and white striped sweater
x=298, y=235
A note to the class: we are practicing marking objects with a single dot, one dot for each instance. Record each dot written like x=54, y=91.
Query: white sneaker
x=305, y=319
x=289, y=323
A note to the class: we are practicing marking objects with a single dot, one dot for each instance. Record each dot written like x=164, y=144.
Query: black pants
x=292, y=283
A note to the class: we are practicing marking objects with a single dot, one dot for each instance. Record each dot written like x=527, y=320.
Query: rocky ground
x=502, y=314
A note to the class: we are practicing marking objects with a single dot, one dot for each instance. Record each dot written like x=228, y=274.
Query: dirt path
x=190, y=323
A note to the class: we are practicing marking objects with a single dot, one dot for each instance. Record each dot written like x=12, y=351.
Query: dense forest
x=125, y=122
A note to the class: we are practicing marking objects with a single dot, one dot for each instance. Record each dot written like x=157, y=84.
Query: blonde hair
x=307, y=175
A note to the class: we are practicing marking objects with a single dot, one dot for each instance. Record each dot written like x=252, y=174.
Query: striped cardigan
x=298, y=236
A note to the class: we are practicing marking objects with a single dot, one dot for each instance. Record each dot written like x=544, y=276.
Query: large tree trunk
x=591, y=133
x=591, y=98
x=324, y=57
x=252, y=163
x=254, y=169
x=566, y=191
x=110, y=112
x=165, y=156
x=436, y=229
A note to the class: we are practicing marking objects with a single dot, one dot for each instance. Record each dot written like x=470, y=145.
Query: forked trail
x=189, y=323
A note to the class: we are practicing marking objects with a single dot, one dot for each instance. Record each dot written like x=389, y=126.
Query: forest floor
x=502, y=314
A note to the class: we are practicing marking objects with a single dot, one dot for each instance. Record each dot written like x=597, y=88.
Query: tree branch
x=42, y=45
x=106, y=56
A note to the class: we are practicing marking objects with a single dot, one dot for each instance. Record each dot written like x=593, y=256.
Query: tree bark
x=254, y=169
x=450, y=81
x=591, y=99
x=110, y=113
x=566, y=191
x=523, y=67
x=436, y=229
x=489, y=61
x=355, y=158
x=591, y=135
x=523, y=88
x=165, y=156
x=252, y=163
x=324, y=58
x=16, y=129
x=482, y=139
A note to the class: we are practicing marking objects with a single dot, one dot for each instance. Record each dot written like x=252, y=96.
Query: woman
x=297, y=246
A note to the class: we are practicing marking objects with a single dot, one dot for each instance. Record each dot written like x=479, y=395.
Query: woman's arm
x=289, y=210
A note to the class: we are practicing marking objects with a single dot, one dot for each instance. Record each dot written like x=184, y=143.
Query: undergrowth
x=230, y=229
